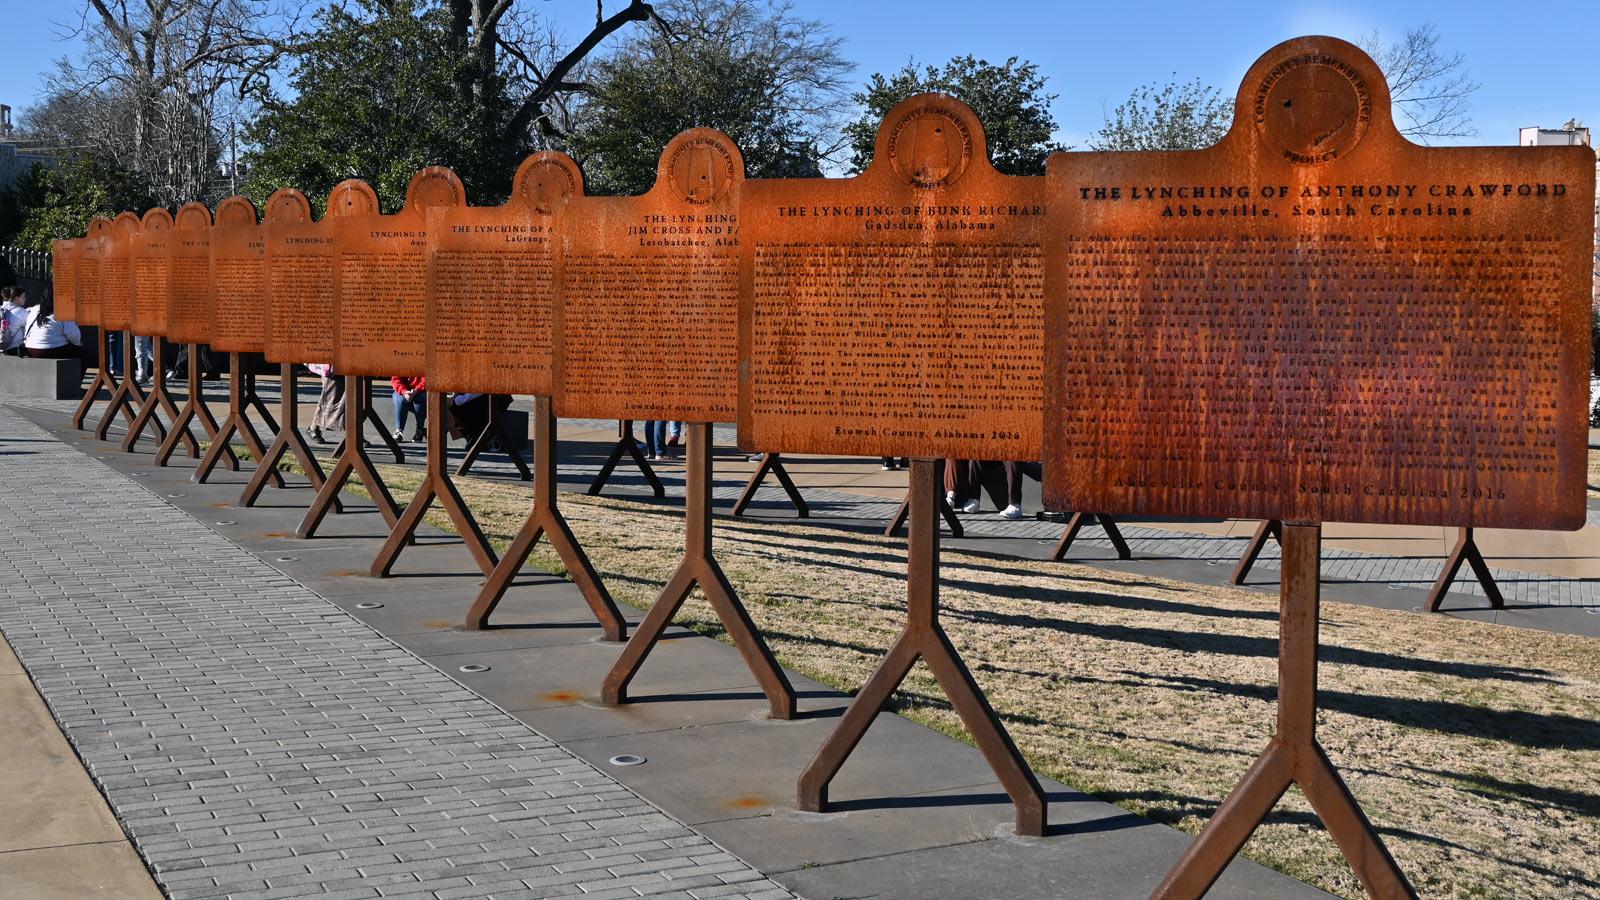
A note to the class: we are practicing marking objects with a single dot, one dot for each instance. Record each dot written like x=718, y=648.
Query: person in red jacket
x=410, y=397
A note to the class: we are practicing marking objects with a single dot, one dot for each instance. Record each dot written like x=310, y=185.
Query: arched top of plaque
x=125, y=223
x=99, y=226
x=434, y=187
x=193, y=216
x=157, y=219
x=546, y=180
x=1312, y=100
x=700, y=166
x=930, y=140
x=288, y=206
x=236, y=212
x=352, y=197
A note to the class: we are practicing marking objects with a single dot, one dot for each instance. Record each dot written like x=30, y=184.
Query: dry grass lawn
x=1474, y=748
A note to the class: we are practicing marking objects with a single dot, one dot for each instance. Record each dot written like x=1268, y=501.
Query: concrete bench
x=50, y=379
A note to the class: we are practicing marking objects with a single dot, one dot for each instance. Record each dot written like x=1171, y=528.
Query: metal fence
x=33, y=264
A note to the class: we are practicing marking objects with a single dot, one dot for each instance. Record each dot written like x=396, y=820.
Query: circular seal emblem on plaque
x=353, y=198
x=157, y=219
x=435, y=186
x=236, y=212
x=544, y=183
x=287, y=205
x=1312, y=108
x=701, y=169
x=930, y=147
x=193, y=216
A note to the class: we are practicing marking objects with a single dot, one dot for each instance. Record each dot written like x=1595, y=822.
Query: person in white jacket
x=45, y=338
x=13, y=318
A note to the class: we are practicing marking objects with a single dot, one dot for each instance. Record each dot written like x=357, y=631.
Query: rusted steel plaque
x=897, y=313
x=380, y=280
x=64, y=257
x=152, y=269
x=647, y=304
x=190, y=298
x=301, y=259
x=91, y=261
x=116, y=273
x=238, y=278
x=1317, y=320
x=491, y=284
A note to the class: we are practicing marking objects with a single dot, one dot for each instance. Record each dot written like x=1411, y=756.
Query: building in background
x=15, y=159
x=1574, y=133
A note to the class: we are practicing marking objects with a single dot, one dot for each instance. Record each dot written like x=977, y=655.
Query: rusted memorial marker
x=191, y=303
x=429, y=189
x=116, y=314
x=380, y=292
x=238, y=325
x=490, y=319
x=898, y=313
x=85, y=307
x=1316, y=320
x=77, y=289
x=647, y=328
x=152, y=271
x=299, y=262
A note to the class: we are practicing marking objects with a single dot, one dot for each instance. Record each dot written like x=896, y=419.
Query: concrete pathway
x=58, y=841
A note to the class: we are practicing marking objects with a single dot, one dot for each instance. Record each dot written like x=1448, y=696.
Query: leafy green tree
x=1166, y=116
x=1010, y=101
x=374, y=96
x=770, y=80
x=50, y=203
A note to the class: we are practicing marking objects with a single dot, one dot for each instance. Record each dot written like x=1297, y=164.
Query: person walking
x=329, y=415
x=655, y=439
x=143, y=354
x=410, y=398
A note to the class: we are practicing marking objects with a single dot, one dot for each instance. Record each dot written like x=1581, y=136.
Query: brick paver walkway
x=258, y=742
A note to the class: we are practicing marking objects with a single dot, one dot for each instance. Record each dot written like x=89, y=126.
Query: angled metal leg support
x=194, y=409
x=1293, y=756
x=352, y=460
x=898, y=520
x=925, y=638
x=771, y=463
x=495, y=427
x=288, y=440
x=436, y=484
x=1270, y=528
x=159, y=399
x=1466, y=551
x=546, y=519
x=128, y=398
x=625, y=445
x=1075, y=525
x=102, y=379
x=236, y=422
x=699, y=567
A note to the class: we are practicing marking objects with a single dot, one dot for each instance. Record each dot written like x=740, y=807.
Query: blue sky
x=1537, y=62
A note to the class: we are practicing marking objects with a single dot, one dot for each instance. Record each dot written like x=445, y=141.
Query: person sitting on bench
x=45, y=338
x=13, y=318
